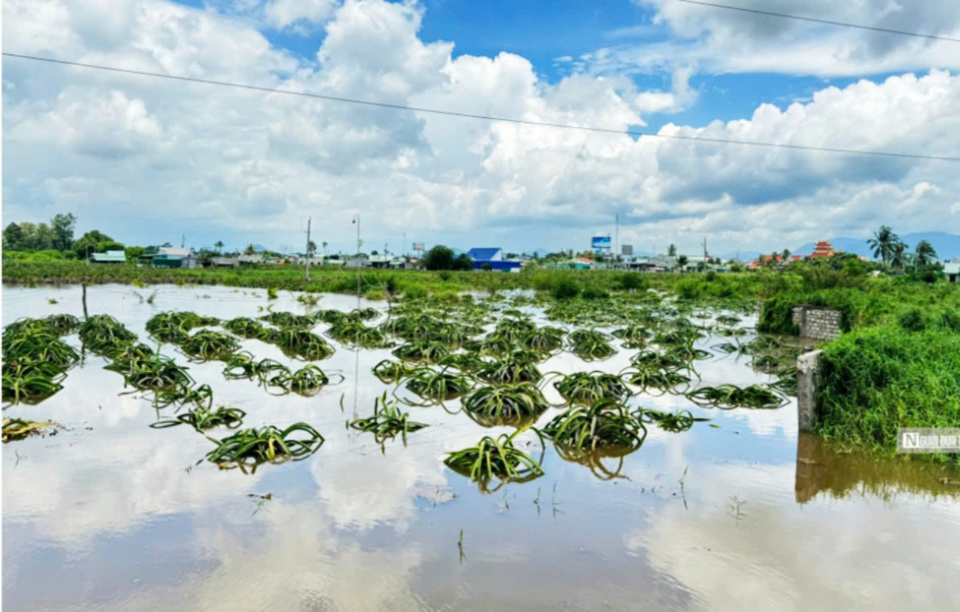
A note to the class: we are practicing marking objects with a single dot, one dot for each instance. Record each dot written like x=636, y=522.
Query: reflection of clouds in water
x=364, y=490
x=74, y=491
x=783, y=556
x=293, y=563
x=296, y=564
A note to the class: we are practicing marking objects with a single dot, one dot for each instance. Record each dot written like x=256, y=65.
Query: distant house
x=491, y=258
x=952, y=270
x=249, y=260
x=174, y=257
x=110, y=257
x=225, y=261
x=823, y=249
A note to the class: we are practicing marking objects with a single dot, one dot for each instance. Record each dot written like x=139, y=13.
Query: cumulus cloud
x=228, y=160
x=722, y=40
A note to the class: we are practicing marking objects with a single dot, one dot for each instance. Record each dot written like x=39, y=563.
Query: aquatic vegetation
x=425, y=352
x=507, y=401
x=590, y=387
x=209, y=344
x=468, y=363
x=493, y=345
x=303, y=344
x=544, y=339
x=288, y=319
x=175, y=326
x=204, y=418
x=387, y=421
x=633, y=335
x=18, y=429
x=249, y=448
x=673, y=422
x=183, y=394
x=353, y=331
x=389, y=371
x=517, y=368
x=606, y=422
x=105, y=335
x=151, y=371
x=732, y=396
x=589, y=344
x=365, y=314
x=30, y=382
x=663, y=380
x=437, y=385
x=686, y=352
x=496, y=458
x=514, y=329
x=305, y=381
x=245, y=327
x=652, y=360
x=36, y=340
x=64, y=323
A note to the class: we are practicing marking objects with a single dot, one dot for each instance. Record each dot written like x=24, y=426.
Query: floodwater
x=110, y=514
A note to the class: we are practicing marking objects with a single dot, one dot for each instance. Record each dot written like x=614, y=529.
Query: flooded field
x=737, y=512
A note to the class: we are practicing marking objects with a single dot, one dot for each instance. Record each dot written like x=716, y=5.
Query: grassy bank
x=876, y=379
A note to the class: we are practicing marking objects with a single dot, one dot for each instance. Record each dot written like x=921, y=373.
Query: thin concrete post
x=806, y=390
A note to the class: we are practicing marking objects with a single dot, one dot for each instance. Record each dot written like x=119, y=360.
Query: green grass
x=874, y=380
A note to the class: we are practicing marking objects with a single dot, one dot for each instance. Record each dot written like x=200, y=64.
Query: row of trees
x=57, y=236
x=892, y=251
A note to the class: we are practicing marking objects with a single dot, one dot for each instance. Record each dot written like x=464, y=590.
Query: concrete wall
x=806, y=390
x=816, y=322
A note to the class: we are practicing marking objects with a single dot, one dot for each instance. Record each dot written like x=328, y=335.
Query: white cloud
x=284, y=13
x=249, y=162
x=733, y=41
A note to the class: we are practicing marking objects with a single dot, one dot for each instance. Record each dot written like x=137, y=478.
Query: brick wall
x=816, y=322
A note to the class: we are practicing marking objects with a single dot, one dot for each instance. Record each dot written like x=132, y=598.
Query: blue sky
x=149, y=161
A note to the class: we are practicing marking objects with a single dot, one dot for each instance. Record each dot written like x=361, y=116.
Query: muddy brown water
x=110, y=514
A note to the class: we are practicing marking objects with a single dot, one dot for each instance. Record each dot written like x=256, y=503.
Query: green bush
x=913, y=320
x=566, y=289
x=875, y=380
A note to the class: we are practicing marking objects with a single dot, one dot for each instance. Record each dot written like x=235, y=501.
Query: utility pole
x=183, y=240
x=404, y=244
x=616, y=240
x=356, y=219
x=306, y=267
x=704, y=249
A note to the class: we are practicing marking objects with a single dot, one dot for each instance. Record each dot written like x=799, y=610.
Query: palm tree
x=672, y=251
x=249, y=250
x=324, y=243
x=898, y=255
x=925, y=253
x=682, y=261
x=219, y=245
x=786, y=255
x=883, y=242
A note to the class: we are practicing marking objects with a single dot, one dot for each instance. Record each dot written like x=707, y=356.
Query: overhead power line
x=817, y=20
x=449, y=113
